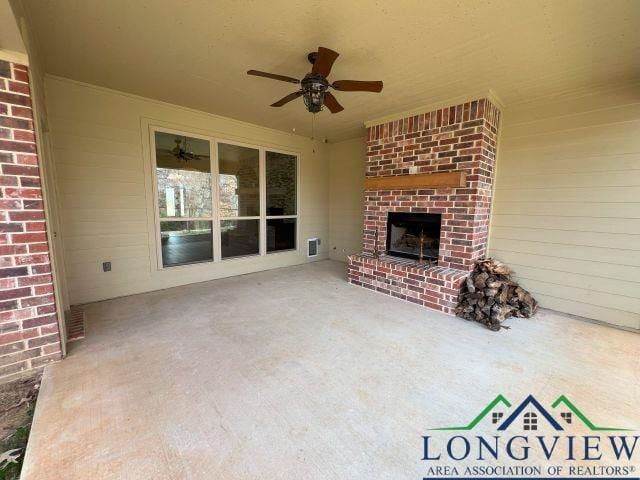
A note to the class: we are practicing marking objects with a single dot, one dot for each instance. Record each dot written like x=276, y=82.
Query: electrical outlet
x=413, y=170
x=106, y=266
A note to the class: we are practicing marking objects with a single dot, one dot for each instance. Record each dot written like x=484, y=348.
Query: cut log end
x=490, y=296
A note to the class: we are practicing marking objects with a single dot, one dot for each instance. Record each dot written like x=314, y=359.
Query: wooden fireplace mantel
x=427, y=180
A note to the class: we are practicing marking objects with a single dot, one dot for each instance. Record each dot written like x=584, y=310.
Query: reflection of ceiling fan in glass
x=182, y=150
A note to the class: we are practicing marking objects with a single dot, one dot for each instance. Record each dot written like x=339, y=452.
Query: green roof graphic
x=562, y=400
x=565, y=401
x=481, y=415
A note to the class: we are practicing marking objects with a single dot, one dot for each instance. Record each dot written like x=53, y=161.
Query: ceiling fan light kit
x=314, y=87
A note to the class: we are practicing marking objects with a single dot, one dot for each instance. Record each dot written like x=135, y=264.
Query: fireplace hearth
x=413, y=235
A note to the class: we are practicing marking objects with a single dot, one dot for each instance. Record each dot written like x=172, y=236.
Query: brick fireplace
x=420, y=153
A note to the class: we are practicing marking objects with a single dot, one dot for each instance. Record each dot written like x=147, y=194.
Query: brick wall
x=29, y=336
x=433, y=287
x=457, y=138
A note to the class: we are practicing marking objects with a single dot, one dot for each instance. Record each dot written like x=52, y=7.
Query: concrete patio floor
x=293, y=373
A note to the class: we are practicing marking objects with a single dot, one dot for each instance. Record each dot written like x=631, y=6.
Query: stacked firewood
x=490, y=296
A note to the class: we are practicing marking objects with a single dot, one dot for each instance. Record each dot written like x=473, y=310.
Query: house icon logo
x=531, y=414
x=536, y=434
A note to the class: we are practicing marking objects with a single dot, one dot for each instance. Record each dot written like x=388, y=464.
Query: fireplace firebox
x=411, y=235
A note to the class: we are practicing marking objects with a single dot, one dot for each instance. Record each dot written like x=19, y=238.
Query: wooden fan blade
x=357, y=86
x=287, y=99
x=332, y=104
x=324, y=61
x=282, y=78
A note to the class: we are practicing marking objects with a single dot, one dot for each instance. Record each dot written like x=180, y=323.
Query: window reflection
x=281, y=184
x=281, y=234
x=185, y=242
x=184, y=176
x=239, y=181
x=239, y=238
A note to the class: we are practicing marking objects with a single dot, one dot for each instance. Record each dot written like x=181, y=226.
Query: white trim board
x=14, y=57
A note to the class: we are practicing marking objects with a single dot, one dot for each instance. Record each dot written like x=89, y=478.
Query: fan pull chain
x=313, y=138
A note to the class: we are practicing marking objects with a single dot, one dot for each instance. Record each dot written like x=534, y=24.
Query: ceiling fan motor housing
x=314, y=88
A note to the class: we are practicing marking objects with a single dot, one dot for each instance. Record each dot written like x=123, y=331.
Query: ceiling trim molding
x=489, y=94
x=14, y=57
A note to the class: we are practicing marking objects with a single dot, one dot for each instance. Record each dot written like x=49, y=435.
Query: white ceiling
x=195, y=53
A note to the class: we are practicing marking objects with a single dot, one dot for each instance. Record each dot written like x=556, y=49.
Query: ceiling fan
x=314, y=87
x=182, y=150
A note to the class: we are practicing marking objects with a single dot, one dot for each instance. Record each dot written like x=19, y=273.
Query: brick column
x=29, y=336
x=458, y=138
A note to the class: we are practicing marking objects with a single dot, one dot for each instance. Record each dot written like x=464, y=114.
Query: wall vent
x=312, y=247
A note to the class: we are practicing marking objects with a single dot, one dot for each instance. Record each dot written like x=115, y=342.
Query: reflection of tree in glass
x=191, y=192
x=228, y=197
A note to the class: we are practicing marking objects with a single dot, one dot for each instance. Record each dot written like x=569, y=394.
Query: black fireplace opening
x=411, y=235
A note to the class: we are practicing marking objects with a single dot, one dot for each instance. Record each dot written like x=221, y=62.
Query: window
x=183, y=173
x=239, y=187
x=281, y=175
x=496, y=416
x=217, y=200
x=530, y=421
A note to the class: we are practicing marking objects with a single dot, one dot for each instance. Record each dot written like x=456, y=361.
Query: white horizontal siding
x=346, y=193
x=84, y=158
x=546, y=208
x=71, y=171
x=566, y=211
x=127, y=252
x=576, y=224
x=606, y=240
